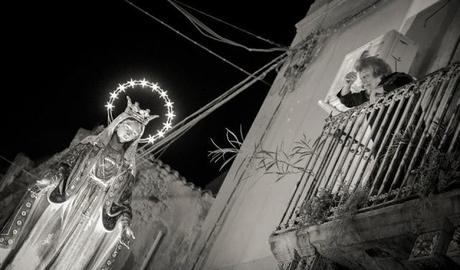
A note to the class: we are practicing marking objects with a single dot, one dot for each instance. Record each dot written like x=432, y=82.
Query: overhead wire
x=191, y=40
x=182, y=127
x=156, y=150
x=230, y=25
x=223, y=96
x=186, y=124
x=208, y=32
x=159, y=152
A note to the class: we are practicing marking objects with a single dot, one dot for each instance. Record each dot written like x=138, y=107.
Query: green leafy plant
x=318, y=208
x=327, y=205
x=351, y=202
x=440, y=172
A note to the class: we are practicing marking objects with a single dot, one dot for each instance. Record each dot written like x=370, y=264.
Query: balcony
x=381, y=189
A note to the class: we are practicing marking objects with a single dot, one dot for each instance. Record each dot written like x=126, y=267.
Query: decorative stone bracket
x=314, y=262
x=431, y=248
x=453, y=250
x=293, y=252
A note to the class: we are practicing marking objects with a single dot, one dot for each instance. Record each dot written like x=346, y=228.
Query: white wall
x=250, y=204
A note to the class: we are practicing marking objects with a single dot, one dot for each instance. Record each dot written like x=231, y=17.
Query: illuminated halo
x=155, y=88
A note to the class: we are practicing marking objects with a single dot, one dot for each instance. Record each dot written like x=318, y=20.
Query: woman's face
x=370, y=83
x=128, y=130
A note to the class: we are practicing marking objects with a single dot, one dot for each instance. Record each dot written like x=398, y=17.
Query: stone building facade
x=259, y=221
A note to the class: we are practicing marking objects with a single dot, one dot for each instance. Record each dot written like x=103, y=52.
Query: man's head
x=370, y=70
x=128, y=130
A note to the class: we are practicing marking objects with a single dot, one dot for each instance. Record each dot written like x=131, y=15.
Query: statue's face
x=128, y=130
x=366, y=75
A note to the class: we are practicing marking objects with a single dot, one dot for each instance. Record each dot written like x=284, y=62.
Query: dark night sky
x=61, y=58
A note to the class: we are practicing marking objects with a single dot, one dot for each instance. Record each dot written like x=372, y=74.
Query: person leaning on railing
x=377, y=79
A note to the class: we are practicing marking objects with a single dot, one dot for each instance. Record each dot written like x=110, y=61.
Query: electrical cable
x=208, y=32
x=191, y=40
x=183, y=126
x=221, y=97
x=217, y=100
x=231, y=25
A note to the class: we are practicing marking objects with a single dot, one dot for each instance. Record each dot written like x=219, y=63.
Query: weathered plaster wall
x=250, y=204
x=164, y=201
x=436, y=29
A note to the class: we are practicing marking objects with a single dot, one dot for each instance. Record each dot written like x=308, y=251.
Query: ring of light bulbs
x=155, y=88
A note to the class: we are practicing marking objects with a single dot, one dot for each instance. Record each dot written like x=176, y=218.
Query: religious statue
x=77, y=216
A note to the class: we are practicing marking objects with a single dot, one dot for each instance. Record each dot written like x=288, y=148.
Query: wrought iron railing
x=377, y=147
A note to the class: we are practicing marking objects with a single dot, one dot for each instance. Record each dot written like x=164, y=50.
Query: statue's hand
x=39, y=186
x=129, y=233
x=42, y=183
x=126, y=233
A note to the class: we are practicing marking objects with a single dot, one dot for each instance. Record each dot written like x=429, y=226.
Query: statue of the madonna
x=78, y=215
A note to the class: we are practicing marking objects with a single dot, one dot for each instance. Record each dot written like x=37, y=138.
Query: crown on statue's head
x=134, y=111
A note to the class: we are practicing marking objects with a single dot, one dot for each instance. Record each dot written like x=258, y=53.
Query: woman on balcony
x=377, y=79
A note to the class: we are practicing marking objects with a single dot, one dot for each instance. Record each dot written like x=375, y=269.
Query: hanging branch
x=279, y=162
x=229, y=153
x=282, y=163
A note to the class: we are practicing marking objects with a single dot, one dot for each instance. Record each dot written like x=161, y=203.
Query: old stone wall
x=165, y=206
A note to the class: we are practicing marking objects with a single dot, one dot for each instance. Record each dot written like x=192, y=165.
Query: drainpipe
x=151, y=250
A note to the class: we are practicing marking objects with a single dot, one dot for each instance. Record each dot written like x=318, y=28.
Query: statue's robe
x=72, y=223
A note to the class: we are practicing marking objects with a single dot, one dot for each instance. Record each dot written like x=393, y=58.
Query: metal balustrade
x=376, y=147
